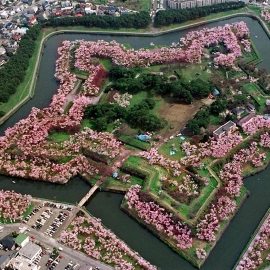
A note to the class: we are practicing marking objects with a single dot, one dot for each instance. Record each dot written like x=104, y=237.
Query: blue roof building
x=143, y=137
x=216, y=92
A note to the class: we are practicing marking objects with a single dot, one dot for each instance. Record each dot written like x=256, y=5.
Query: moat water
x=106, y=205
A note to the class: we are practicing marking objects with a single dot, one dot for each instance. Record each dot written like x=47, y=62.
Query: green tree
x=100, y=124
x=218, y=106
x=193, y=126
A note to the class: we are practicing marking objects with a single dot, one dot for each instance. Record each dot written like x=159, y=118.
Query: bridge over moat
x=89, y=194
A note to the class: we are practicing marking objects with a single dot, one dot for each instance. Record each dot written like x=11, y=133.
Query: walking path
x=72, y=94
x=89, y=194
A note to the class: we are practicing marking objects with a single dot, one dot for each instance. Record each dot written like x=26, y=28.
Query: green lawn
x=255, y=9
x=86, y=123
x=58, y=136
x=165, y=149
x=107, y=63
x=137, y=98
x=255, y=92
x=134, y=161
x=196, y=70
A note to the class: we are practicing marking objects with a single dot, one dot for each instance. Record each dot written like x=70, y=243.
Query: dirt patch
x=178, y=115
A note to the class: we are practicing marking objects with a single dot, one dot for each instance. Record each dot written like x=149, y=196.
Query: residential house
x=245, y=120
x=45, y=5
x=16, y=37
x=8, y=242
x=102, y=9
x=225, y=129
x=33, y=10
x=238, y=111
x=21, y=7
x=28, y=16
x=28, y=2
x=41, y=16
x=89, y=10
x=11, y=50
x=6, y=34
x=3, y=59
x=33, y=20
x=124, y=11
x=80, y=11
x=65, y=4
x=2, y=50
x=111, y=10
x=5, y=42
x=21, y=240
x=16, y=19
x=12, y=43
x=21, y=31
x=4, y=15
x=250, y=107
x=4, y=260
x=17, y=9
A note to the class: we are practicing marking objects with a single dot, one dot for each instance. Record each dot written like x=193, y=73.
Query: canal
x=106, y=205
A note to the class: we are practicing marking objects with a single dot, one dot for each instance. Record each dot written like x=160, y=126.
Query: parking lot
x=54, y=255
x=48, y=218
x=58, y=262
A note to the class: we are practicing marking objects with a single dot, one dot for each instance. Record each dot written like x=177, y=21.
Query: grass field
x=58, y=137
x=165, y=149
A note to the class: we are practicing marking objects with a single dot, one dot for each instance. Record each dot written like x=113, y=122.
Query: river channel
x=106, y=205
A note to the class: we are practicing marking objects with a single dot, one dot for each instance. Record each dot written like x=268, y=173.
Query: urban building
x=180, y=4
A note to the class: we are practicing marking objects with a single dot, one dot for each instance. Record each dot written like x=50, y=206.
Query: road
x=51, y=243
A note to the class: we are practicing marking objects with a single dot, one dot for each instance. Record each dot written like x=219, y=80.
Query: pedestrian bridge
x=88, y=195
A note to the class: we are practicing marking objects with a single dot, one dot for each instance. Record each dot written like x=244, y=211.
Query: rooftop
x=29, y=250
x=244, y=120
x=20, y=238
x=226, y=127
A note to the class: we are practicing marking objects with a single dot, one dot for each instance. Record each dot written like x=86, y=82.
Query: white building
x=2, y=51
x=4, y=15
x=88, y=10
x=30, y=252
x=19, y=263
x=20, y=31
x=179, y=4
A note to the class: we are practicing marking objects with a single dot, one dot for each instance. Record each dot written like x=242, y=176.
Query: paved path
x=88, y=194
